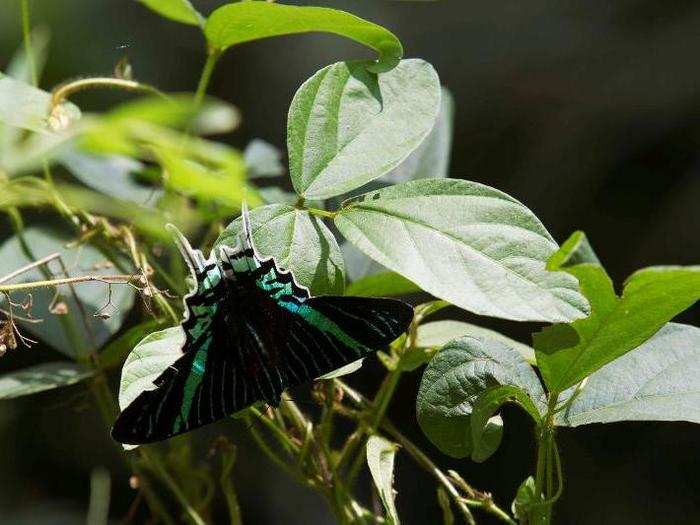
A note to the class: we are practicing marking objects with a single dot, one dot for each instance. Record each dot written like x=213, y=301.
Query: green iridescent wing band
x=251, y=332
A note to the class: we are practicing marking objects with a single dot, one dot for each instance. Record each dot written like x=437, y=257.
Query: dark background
x=586, y=111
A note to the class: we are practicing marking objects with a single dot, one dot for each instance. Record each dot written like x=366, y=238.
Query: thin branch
x=106, y=279
x=30, y=266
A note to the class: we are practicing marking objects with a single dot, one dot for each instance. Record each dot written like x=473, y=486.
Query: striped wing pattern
x=252, y=332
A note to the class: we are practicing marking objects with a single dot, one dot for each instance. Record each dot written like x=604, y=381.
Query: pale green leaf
x=148, y=360
x=657, y=381
x=299, y=242
x=177, y=10
x=72, y=334
x=432, y=157
x=247, y=21
x=567, y=353
x=467, y=243
x=380, y=459
x=347, y=127
x=454, y=380
x=40, y=378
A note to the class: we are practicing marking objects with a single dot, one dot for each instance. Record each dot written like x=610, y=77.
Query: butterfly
x=251, y=332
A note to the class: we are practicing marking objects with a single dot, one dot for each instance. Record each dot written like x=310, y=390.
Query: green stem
x=322, y=213
x=212, y=58
x=27, y=38
x=541, y=513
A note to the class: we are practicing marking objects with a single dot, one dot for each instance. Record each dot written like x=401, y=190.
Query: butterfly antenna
x=193, y=258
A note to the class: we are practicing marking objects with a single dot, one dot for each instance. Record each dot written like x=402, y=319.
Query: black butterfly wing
x=328, y=332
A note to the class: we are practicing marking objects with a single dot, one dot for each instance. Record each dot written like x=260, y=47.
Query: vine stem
x=213, y=55
x=64, y=91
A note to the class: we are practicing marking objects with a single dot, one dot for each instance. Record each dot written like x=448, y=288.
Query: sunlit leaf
x=467, y=243
x=347, y=127
x=299, y=242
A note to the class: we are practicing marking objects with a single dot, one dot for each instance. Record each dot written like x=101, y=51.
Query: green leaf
x=24, y=106
x=567, y=353
x=453, y=382
x=71, y=334
x=156, y=352
x=177, y=10
x=113, y=175
x=438, y=333
x=382, y=284
x=299, y=242
x=525, y=498
x=40, y=378
x=380, y=459
x=657, y=381
x=576, y=250
x=467, y=243
x=432, y=157
x=247, y=21
x=347, y=127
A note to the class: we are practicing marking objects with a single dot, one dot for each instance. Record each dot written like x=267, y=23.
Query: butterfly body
x=252, y=332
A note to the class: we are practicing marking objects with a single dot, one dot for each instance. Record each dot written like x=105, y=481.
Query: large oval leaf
x=41, y=377
x=72, y=334
x=299, y=242
x=246, y=21
x=461, y=372
x=347, y=126
x=467, y=243
x=657, y=381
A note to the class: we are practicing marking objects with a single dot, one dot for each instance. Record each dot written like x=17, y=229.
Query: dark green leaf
x=115, y=352
x=382, y=284
x=567, y=353
x=178, y=10
x=453, y=382
x=41, y=377
x=246, y=21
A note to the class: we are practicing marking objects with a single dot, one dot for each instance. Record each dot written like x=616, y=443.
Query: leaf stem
x=213, y=55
